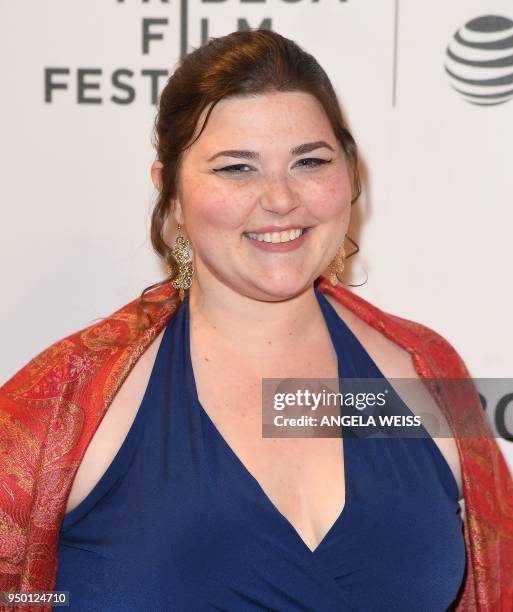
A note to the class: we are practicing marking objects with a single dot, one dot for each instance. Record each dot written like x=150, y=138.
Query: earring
x=182, y=253
x=336, y=266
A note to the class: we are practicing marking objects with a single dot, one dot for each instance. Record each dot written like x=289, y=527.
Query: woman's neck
x=268, y=327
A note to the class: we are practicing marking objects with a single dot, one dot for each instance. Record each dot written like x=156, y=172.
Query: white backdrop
x=434, y=223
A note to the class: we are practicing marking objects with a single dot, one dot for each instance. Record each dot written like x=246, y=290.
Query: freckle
x=207, y=359
x=269, y=342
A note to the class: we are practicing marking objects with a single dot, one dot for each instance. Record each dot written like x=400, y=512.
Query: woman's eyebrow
x=299, y=150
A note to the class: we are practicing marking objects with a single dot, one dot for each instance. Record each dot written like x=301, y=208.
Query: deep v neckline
x=328, y=315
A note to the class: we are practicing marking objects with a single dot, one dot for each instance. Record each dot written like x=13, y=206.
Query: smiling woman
x=144, y=481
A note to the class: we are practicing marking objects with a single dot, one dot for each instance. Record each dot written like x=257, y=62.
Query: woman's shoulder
x=423, y=343
x=106, y=349
x=406, y=349
x=51, y=407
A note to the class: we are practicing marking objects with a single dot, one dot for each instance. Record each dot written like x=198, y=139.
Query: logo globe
x=479, y=60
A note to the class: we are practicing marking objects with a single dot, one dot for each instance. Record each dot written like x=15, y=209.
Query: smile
x=277, y=237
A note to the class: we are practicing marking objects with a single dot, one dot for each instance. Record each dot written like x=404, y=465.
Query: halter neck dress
x=178, y=523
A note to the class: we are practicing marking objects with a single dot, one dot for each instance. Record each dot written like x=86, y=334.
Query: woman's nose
x=278, y=196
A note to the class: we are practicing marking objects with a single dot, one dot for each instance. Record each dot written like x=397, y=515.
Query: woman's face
x=264, y=163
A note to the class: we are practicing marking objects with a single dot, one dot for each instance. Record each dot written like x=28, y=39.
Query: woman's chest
x=303, y=477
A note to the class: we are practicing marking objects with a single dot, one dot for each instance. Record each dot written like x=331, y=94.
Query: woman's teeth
x=275, y=237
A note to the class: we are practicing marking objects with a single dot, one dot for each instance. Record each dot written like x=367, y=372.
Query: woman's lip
x=279, y=247
x=272, y=228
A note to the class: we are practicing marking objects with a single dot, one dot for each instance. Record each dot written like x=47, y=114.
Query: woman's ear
x=156, y=174
x=175, y=205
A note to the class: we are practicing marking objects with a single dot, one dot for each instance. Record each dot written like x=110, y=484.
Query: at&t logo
x=479, y=60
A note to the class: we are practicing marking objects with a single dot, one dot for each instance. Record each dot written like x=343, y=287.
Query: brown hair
x=238, y=64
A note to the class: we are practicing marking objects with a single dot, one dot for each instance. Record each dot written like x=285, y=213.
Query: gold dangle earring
x=182, y=252
x=336, y=266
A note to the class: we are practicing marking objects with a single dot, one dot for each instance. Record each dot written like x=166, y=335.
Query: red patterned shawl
x=51, y=408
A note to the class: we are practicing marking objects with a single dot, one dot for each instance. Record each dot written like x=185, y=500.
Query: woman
x=173, y=499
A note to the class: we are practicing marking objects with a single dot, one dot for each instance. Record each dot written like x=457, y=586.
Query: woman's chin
x=283, y=288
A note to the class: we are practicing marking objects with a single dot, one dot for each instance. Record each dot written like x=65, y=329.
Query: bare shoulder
x=114, y=426
x=396, y=362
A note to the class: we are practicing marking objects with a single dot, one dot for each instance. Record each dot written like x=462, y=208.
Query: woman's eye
x=232, y=169
x=316, y=160
x=307, y=162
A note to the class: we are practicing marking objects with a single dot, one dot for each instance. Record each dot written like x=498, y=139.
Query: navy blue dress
x=178, y=523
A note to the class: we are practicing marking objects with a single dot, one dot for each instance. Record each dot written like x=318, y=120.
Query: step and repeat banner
x=425, y=86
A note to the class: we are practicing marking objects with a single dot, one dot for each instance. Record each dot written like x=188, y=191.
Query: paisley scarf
x=51, y=408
